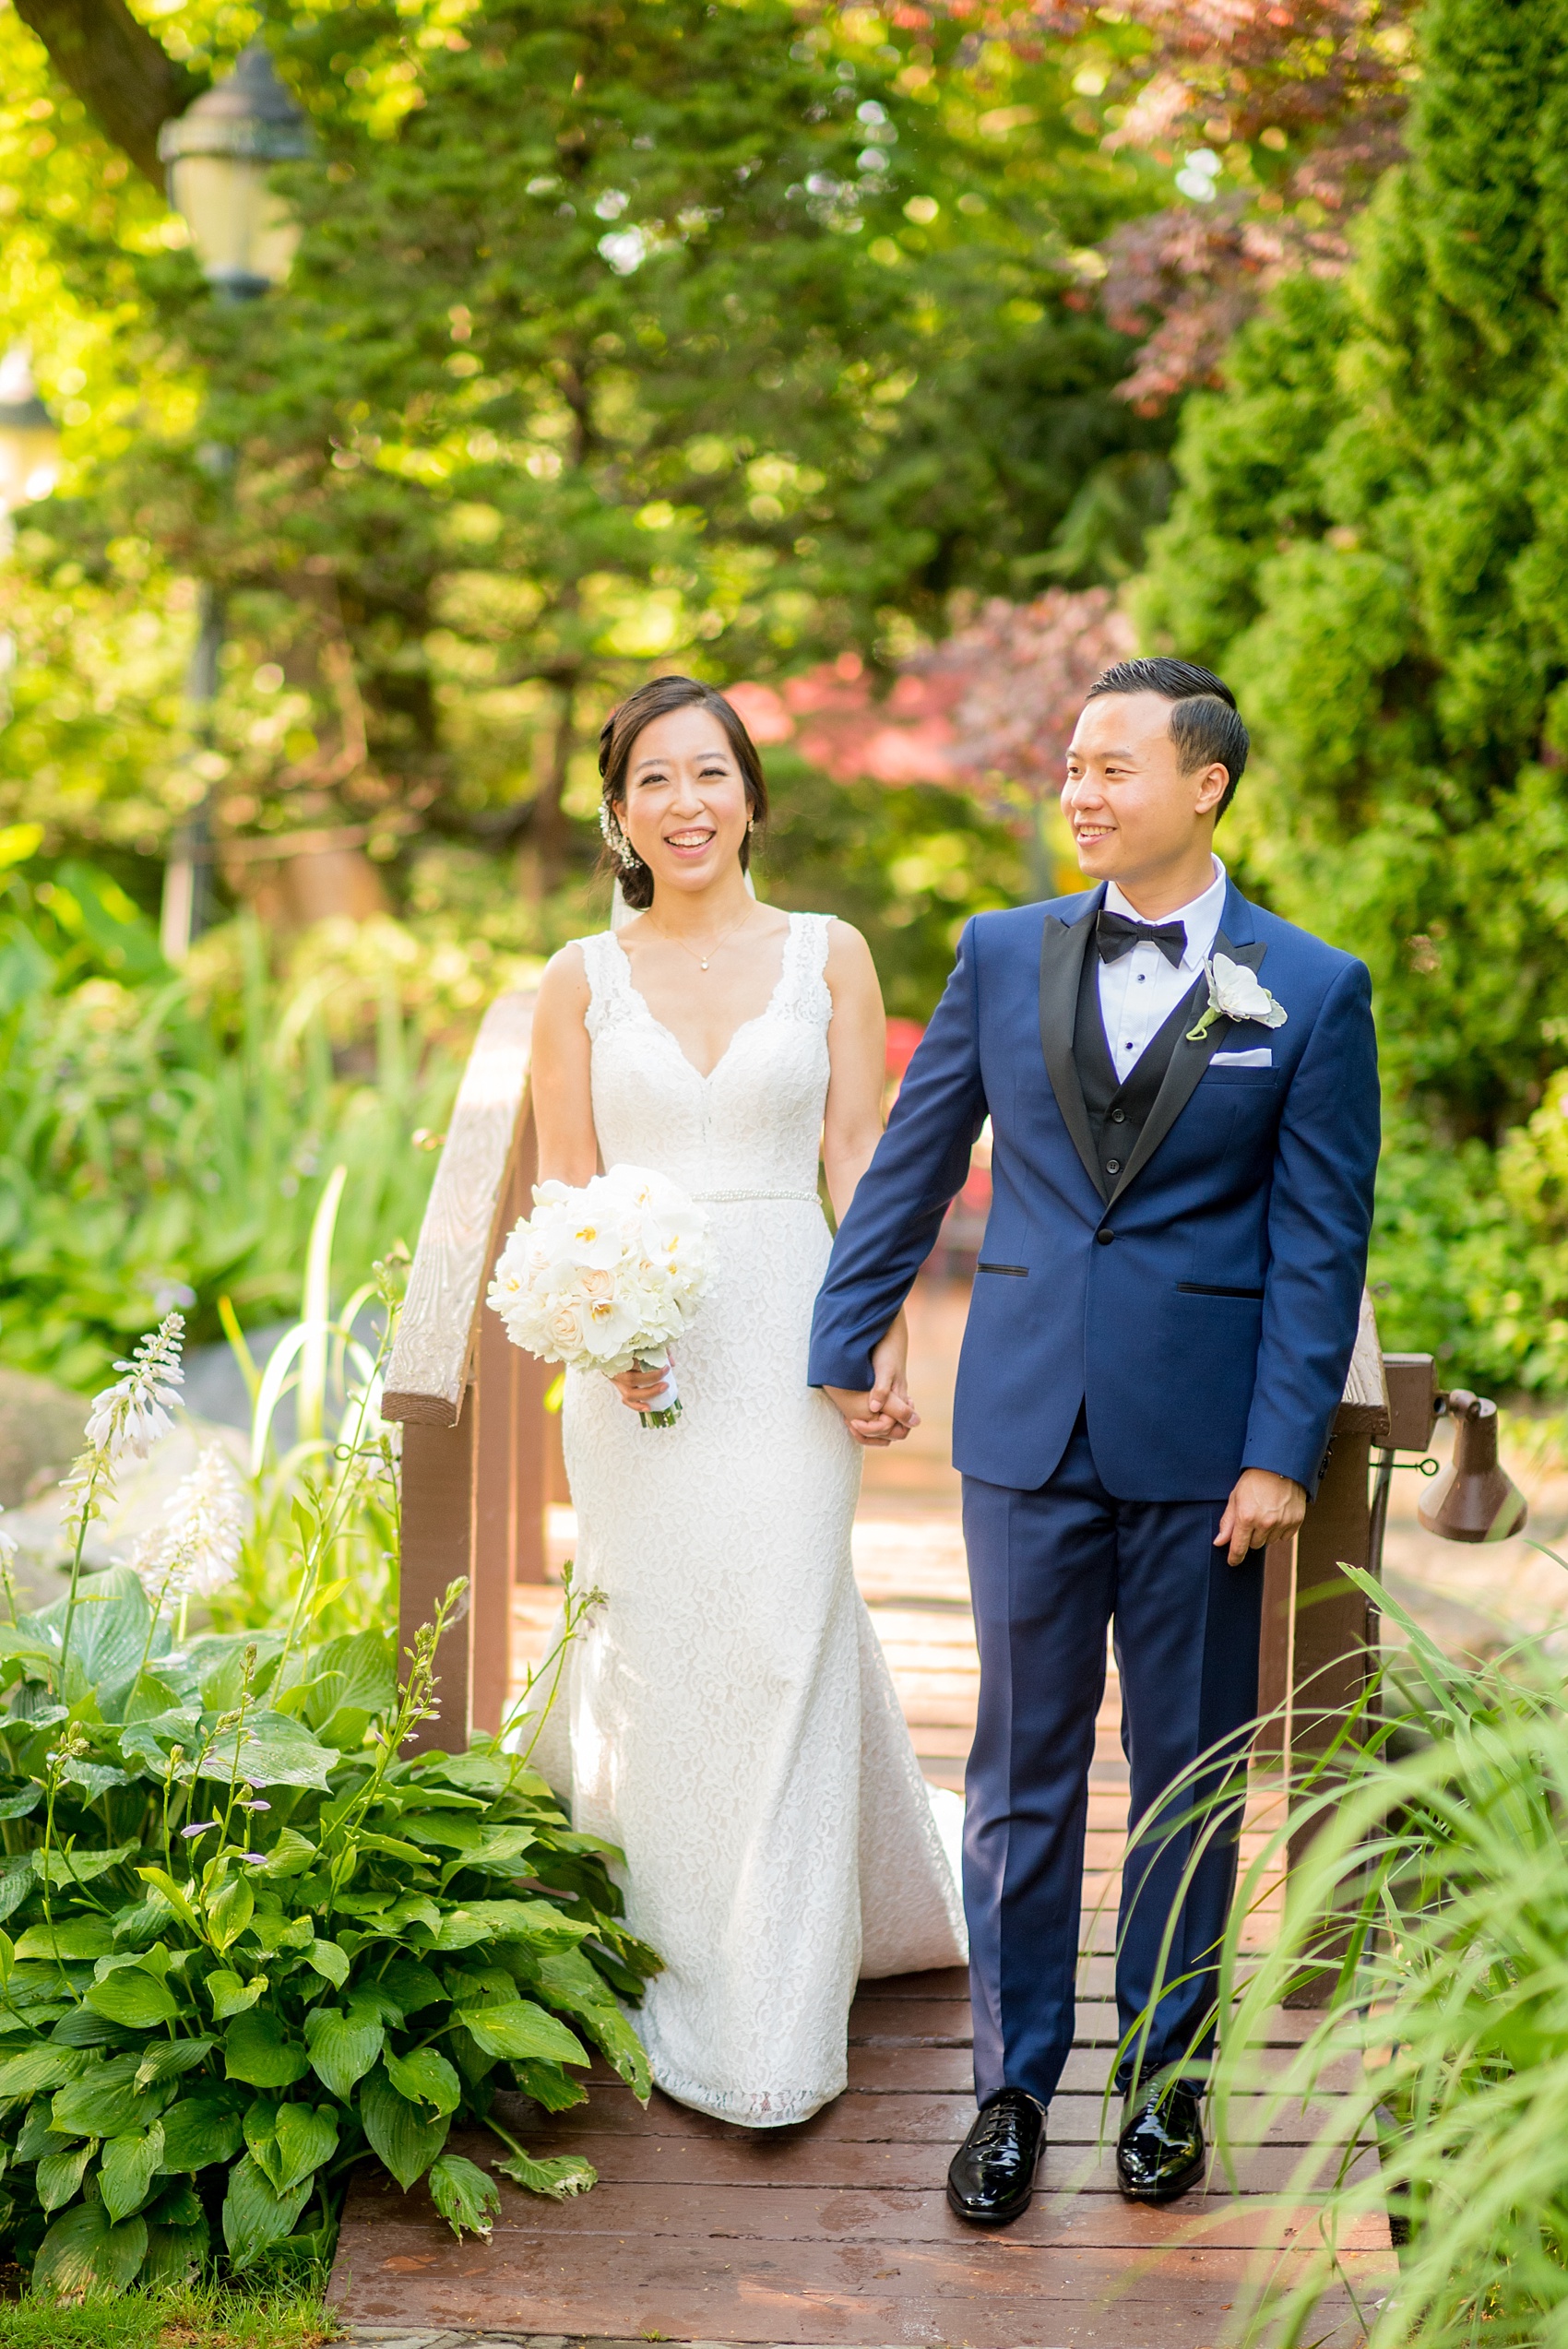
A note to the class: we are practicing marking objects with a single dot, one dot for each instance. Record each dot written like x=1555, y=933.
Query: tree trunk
x=128, y=83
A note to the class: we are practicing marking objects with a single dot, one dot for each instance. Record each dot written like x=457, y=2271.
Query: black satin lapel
x=1188, y=1062
x=1062, y=951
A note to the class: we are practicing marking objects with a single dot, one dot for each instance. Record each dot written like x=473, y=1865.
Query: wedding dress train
x=727, y=1715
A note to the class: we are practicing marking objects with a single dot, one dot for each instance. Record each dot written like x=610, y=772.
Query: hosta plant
x=248, y=1941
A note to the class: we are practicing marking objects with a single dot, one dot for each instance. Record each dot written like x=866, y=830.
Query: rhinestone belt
x=731, y=1198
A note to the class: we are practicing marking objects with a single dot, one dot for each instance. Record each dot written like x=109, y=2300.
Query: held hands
x=884, y=1414
x=1262, y=1508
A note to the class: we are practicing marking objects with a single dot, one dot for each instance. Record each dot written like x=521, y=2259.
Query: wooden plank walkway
x=837, y=2232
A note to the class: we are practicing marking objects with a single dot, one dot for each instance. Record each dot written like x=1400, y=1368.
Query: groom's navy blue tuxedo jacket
x=1201, y=1303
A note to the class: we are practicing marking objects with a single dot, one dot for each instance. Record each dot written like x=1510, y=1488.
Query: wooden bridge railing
x=475, y=1433
x=477, y=1442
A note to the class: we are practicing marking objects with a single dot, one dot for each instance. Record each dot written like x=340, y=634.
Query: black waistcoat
x=1117, y=1111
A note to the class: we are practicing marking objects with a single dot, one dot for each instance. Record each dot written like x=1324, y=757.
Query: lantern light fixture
x=30, y=443
x=218, y=155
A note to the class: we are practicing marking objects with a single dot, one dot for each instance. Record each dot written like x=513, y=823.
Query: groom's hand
x=880, y=1415
x=1262, y=1508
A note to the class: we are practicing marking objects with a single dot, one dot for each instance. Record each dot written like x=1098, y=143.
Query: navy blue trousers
x=1050, y=1570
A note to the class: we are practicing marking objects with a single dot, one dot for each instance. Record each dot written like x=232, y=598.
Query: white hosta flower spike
x=130, y=1416
x=196, y=1548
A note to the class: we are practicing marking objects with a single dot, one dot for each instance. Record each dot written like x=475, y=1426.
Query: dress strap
x=609, y=979
x=804, y=993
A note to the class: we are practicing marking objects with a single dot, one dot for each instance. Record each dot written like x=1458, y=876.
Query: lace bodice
x=755, y=1121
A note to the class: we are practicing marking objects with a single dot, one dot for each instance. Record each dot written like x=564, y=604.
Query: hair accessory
x=616, y=840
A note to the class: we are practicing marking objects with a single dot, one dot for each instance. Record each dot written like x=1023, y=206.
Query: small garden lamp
x=30, y=443
x=218, y=155
x=1474, y=1498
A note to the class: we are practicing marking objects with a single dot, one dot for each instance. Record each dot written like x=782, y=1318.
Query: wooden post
x=472, y=1421
x=1329, y=1655
x=437, y=1547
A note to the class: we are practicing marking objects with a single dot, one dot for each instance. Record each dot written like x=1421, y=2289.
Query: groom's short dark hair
x=1206, y=725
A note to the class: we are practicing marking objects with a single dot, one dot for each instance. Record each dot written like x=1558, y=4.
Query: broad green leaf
x=517, y=2028
x=329, y=1960
x=230, y=1911
x=166, y=2058
x=425, y=2078
x=61, y=1869
x=59, y=2174
x=73, y=1936
x=561, y=2177
x=133, y=1998
x=219, y=1664
x=94, y=1778
x=290, y=2141
x=130, y=2164
x=15, y=1641
x=357, y=1672
x=404, y=2138
x=534, y=1922
x=230, y=1994
x=16, y=1881
x=548, y=2086
x=150, y=1698
x=446, y=1832
x=176, y=1895
x=410, y=1986
x=500, y=1850
x=83, y=2253
x=289, y=1855
x=464, y=2195
x=109, y=1631
x=104, y=2102
x=19, y=1806
x=392, y=1846
x=568, y=1981
x=343, y=2042
x=197, y=2131
x=175, y=2253
x=34, y=2070
x=256, y=2050
x=273, y=1751
x=306, y=2135
x=461, y=1929
x=254, y=2215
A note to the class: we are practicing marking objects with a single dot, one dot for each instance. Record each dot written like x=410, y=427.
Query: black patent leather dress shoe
x=1161, y=2152
x=990, y=2180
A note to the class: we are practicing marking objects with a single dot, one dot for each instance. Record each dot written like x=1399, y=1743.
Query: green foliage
x=239, y=1959
x=1369, y=542
x=288, y=2315
x=159, y=1147
x=1429, y=1849
x=658, y=331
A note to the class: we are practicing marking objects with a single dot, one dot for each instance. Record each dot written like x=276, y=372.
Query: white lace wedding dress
x=728, y=1717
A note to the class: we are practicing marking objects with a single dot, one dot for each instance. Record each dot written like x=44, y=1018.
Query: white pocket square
x=1260, y=1057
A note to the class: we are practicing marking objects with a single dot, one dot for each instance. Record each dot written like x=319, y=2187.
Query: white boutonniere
x=1234, y=993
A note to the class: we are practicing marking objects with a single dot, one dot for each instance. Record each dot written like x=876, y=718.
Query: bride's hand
x=884, y=1414
x=640, y=1390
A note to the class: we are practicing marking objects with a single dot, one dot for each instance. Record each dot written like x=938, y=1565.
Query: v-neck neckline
x=705, y=1076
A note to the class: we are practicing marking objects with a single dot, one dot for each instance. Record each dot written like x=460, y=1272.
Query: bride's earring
x=616, y=840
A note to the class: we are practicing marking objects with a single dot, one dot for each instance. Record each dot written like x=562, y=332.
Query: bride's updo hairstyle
x=618, y=738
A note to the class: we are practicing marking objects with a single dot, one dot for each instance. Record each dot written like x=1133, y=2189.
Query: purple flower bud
x=258, y=1805
x=199, y=1828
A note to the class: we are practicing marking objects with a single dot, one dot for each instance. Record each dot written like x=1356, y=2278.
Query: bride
x=729, y=1720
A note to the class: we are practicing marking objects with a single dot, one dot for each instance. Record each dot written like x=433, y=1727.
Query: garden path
x=838, y=2232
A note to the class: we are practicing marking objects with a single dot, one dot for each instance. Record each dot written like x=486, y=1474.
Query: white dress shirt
x=1139, y=991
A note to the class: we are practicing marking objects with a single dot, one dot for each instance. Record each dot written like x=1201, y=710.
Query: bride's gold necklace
x=702, y=961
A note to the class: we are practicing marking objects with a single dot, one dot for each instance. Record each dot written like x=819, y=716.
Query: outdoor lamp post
x=30, y=443
x=217, y=155
x=28, y=453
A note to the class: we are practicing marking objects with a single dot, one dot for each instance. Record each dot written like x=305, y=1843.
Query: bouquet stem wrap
x=606, y=1277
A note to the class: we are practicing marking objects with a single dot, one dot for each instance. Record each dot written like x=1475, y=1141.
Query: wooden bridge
x=837, y=2232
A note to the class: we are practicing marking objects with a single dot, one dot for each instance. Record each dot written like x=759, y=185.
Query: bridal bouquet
x=604, y=1277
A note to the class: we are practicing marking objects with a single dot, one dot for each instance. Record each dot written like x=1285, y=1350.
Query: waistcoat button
x=1114, y=1166
x=1105, y=1237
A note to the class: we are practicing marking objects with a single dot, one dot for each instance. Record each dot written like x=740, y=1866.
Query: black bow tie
x=1115, y=935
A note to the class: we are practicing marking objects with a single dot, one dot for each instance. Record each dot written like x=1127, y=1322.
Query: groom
x=1183, y=1098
